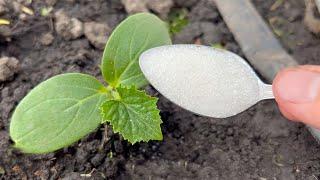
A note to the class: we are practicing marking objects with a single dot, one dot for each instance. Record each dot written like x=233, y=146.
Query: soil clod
x=69, y=28
x=312, y=16
x=8, y=67
x=46, y=39
x=3, y=7
x=135, y=6
x=161, y=7
x=97, y=33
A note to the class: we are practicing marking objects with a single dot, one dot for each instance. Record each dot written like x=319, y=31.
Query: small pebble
x=23, y=17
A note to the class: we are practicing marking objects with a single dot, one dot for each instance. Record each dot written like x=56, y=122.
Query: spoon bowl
x=205, y=80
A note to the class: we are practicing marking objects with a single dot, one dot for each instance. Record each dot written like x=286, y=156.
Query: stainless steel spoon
x=207, y=81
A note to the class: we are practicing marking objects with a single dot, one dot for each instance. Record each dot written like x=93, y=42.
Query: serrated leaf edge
x=115, y=130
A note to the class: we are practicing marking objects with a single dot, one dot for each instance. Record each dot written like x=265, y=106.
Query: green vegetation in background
x=177, y=20
x=217, y=45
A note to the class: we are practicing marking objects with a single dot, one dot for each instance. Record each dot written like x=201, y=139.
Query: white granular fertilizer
x=207, y=81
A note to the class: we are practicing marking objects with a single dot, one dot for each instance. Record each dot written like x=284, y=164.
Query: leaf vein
x=81, y=101
x=48, y=100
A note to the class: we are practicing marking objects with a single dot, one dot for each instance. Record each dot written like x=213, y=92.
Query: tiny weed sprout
x=66, y=107
x=177, y=20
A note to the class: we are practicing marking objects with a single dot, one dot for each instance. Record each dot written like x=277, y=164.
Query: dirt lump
x=162, y=7
x=46, y=39
x=312, y=17
x=3, y=7
x=8, y=67
x=97, y=33
x=67, y=27
x=134, y=6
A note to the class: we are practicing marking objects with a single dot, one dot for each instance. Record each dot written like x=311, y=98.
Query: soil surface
x=256, y=144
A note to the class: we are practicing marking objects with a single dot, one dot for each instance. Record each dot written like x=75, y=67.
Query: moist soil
x=256, y=144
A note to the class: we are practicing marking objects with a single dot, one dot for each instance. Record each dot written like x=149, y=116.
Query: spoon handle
x=266, y=91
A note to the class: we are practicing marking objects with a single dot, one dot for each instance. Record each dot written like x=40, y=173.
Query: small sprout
x=66, y=107
x=110, y=155
x=217, y=45
x=45, y=11
x=4, y=22
x=177, y=20
x=27, y=10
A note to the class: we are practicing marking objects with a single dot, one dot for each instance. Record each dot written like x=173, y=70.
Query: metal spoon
x=170, y=69
x=207, y=81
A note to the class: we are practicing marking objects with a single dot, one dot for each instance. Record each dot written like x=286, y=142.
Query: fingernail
x=297, y=85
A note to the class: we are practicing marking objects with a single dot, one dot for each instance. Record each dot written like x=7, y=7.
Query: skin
x=297, y=92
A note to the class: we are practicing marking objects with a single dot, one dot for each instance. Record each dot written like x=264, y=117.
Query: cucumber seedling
x=66, y=107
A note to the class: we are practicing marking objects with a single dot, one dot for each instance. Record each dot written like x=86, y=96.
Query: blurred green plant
x=217, y=45
x=45, y=11
x=177, y=20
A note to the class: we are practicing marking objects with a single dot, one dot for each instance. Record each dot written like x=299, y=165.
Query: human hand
x=297, y=92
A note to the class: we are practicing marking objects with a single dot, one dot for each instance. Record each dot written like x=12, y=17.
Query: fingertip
x=286, y=113
x=280, y=83
x=297, y=85
x=297, y=91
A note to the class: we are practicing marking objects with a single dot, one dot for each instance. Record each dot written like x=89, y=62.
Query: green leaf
x=134, y=115
x=57, y=113
x=133, y=36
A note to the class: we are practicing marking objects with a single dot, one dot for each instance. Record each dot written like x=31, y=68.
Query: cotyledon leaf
x=57, y=113
x=134, y=115
x=134, y=35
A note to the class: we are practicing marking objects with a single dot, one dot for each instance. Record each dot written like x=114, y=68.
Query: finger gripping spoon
x=207, y=81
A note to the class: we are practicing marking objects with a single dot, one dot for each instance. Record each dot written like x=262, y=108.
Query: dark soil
x=256, y=144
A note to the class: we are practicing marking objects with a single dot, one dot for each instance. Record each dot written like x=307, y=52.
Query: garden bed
x=256, y=144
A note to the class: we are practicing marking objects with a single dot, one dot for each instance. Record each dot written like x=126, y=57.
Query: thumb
x=297, y=92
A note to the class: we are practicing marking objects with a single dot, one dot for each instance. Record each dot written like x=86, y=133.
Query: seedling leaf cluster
x=66, y=107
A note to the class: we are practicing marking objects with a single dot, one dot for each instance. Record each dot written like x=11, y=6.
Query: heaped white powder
x=207, y=81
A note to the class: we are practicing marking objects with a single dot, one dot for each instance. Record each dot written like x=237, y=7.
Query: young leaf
x=57, y=113
x=134, y=115
x=133, y=36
